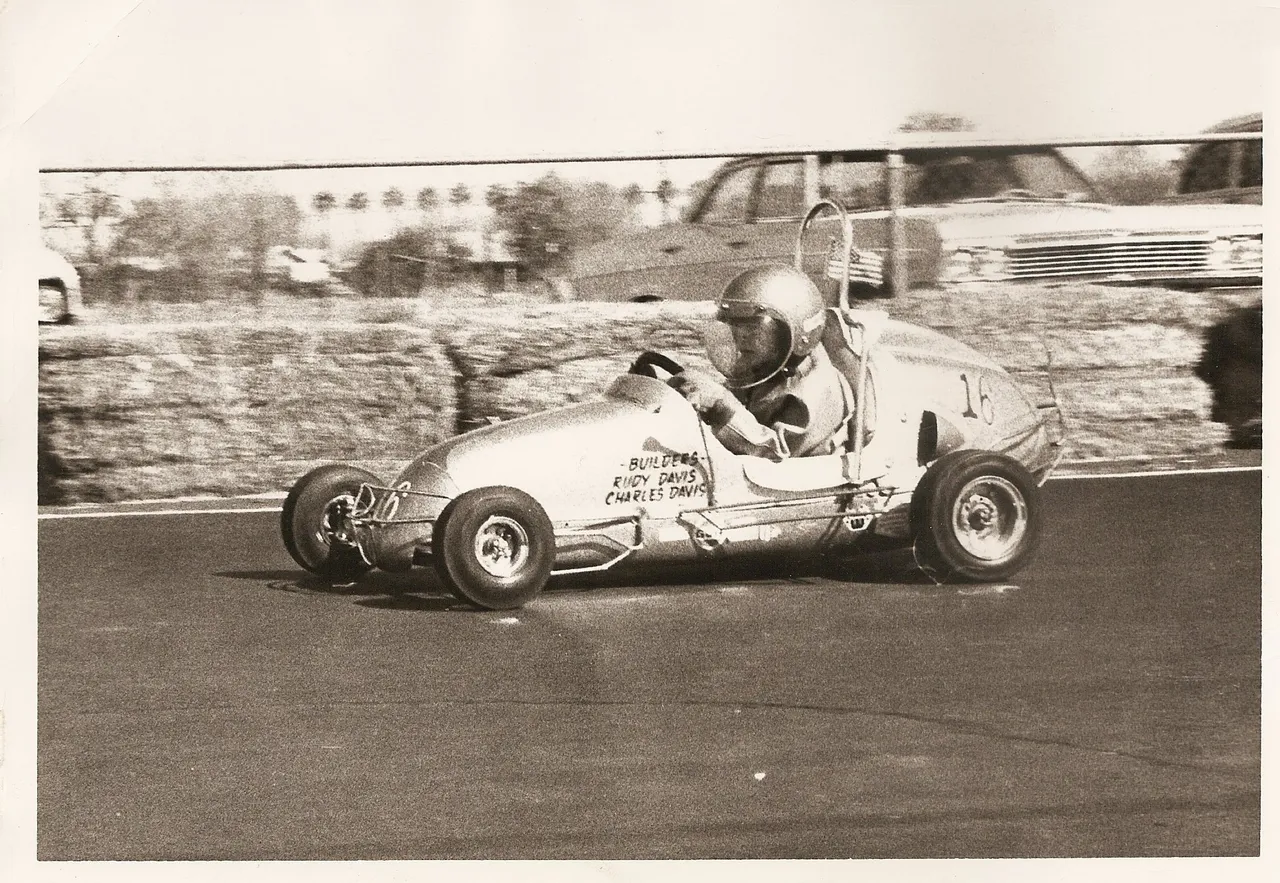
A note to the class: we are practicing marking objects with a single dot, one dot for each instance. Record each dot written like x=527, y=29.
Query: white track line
x=59, y=515
x=56, y=516
x=1208, y=470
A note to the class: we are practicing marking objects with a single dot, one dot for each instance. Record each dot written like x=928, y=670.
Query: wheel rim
x=502, y=546
x=990, y=518
x=335, y=524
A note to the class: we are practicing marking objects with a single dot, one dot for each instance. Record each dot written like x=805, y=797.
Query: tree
x=358, y=202
x=399, y=266
x=324, y=202
x=666, y=194
x=206, y=240
x=427, y=200
x=497, y=197
x=544, y=221
x=393, y=198
x=68, y=209
x=393, y=204
x=1129, y=175
x=933, y=121
x=633, y=195
x=154, y=228
x=534, y=218
x=88, y=209
x=459, y=195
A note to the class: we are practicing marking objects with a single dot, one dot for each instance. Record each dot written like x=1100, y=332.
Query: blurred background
x=309, y=169
x=202, y=83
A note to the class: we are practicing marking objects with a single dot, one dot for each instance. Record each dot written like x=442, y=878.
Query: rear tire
x=976, y=516
x=312, y=521
x=494, y=547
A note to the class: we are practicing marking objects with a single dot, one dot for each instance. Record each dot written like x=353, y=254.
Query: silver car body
x=636, y=476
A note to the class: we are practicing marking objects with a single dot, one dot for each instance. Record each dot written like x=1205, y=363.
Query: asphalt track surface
x=201, y=698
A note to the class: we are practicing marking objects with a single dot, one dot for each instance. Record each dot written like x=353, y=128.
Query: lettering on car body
x=652, y=478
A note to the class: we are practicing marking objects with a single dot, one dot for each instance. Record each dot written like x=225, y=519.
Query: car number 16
x=985, y=405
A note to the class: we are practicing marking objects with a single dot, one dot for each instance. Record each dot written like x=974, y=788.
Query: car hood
x=568, y=458
x=1038, y=221
x=514, y=451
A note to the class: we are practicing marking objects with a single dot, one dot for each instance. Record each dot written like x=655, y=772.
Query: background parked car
x=60, y=298
x=1223, y=171
x=290, y=267
x=970, y=216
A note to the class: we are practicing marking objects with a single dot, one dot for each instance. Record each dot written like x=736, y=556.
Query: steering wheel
x=647, y=361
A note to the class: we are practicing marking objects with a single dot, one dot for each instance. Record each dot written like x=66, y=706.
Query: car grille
x=1138, y=256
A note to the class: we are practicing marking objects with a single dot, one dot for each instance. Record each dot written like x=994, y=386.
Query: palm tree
x=666, y=194
x=93, y=206
x=358, y=202
x=427, y=200
x=497, y=197
x=459, y=195
x=325, y=202
x=393, y=202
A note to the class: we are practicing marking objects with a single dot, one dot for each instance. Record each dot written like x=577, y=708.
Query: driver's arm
x=782, y=437
x=736, y=427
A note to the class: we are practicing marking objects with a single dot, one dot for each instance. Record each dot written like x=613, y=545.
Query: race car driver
x=781, y=396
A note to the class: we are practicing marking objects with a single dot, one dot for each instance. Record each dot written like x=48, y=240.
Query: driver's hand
x=707, y=395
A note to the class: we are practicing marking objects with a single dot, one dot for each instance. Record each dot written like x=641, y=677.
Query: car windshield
x=860, y=184
x=773, y=189
x=992, y=176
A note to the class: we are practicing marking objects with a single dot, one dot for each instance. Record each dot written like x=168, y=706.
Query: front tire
x=494, y=547
x=976, y=516
x=313, y=521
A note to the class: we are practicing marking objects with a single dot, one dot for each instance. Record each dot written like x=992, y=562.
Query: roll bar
x=846, y=228
x=865, y=331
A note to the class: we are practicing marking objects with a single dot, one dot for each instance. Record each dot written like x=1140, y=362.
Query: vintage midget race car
x=946, y=456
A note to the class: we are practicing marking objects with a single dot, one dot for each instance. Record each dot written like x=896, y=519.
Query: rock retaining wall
x=164, y=410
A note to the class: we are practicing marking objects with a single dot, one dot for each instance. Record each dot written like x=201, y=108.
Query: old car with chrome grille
x=973, y=216
x=1223, y=171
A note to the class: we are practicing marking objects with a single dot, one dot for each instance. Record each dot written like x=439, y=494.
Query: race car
x=946, y=456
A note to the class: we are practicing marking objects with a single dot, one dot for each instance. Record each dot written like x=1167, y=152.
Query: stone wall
x=165, y=410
